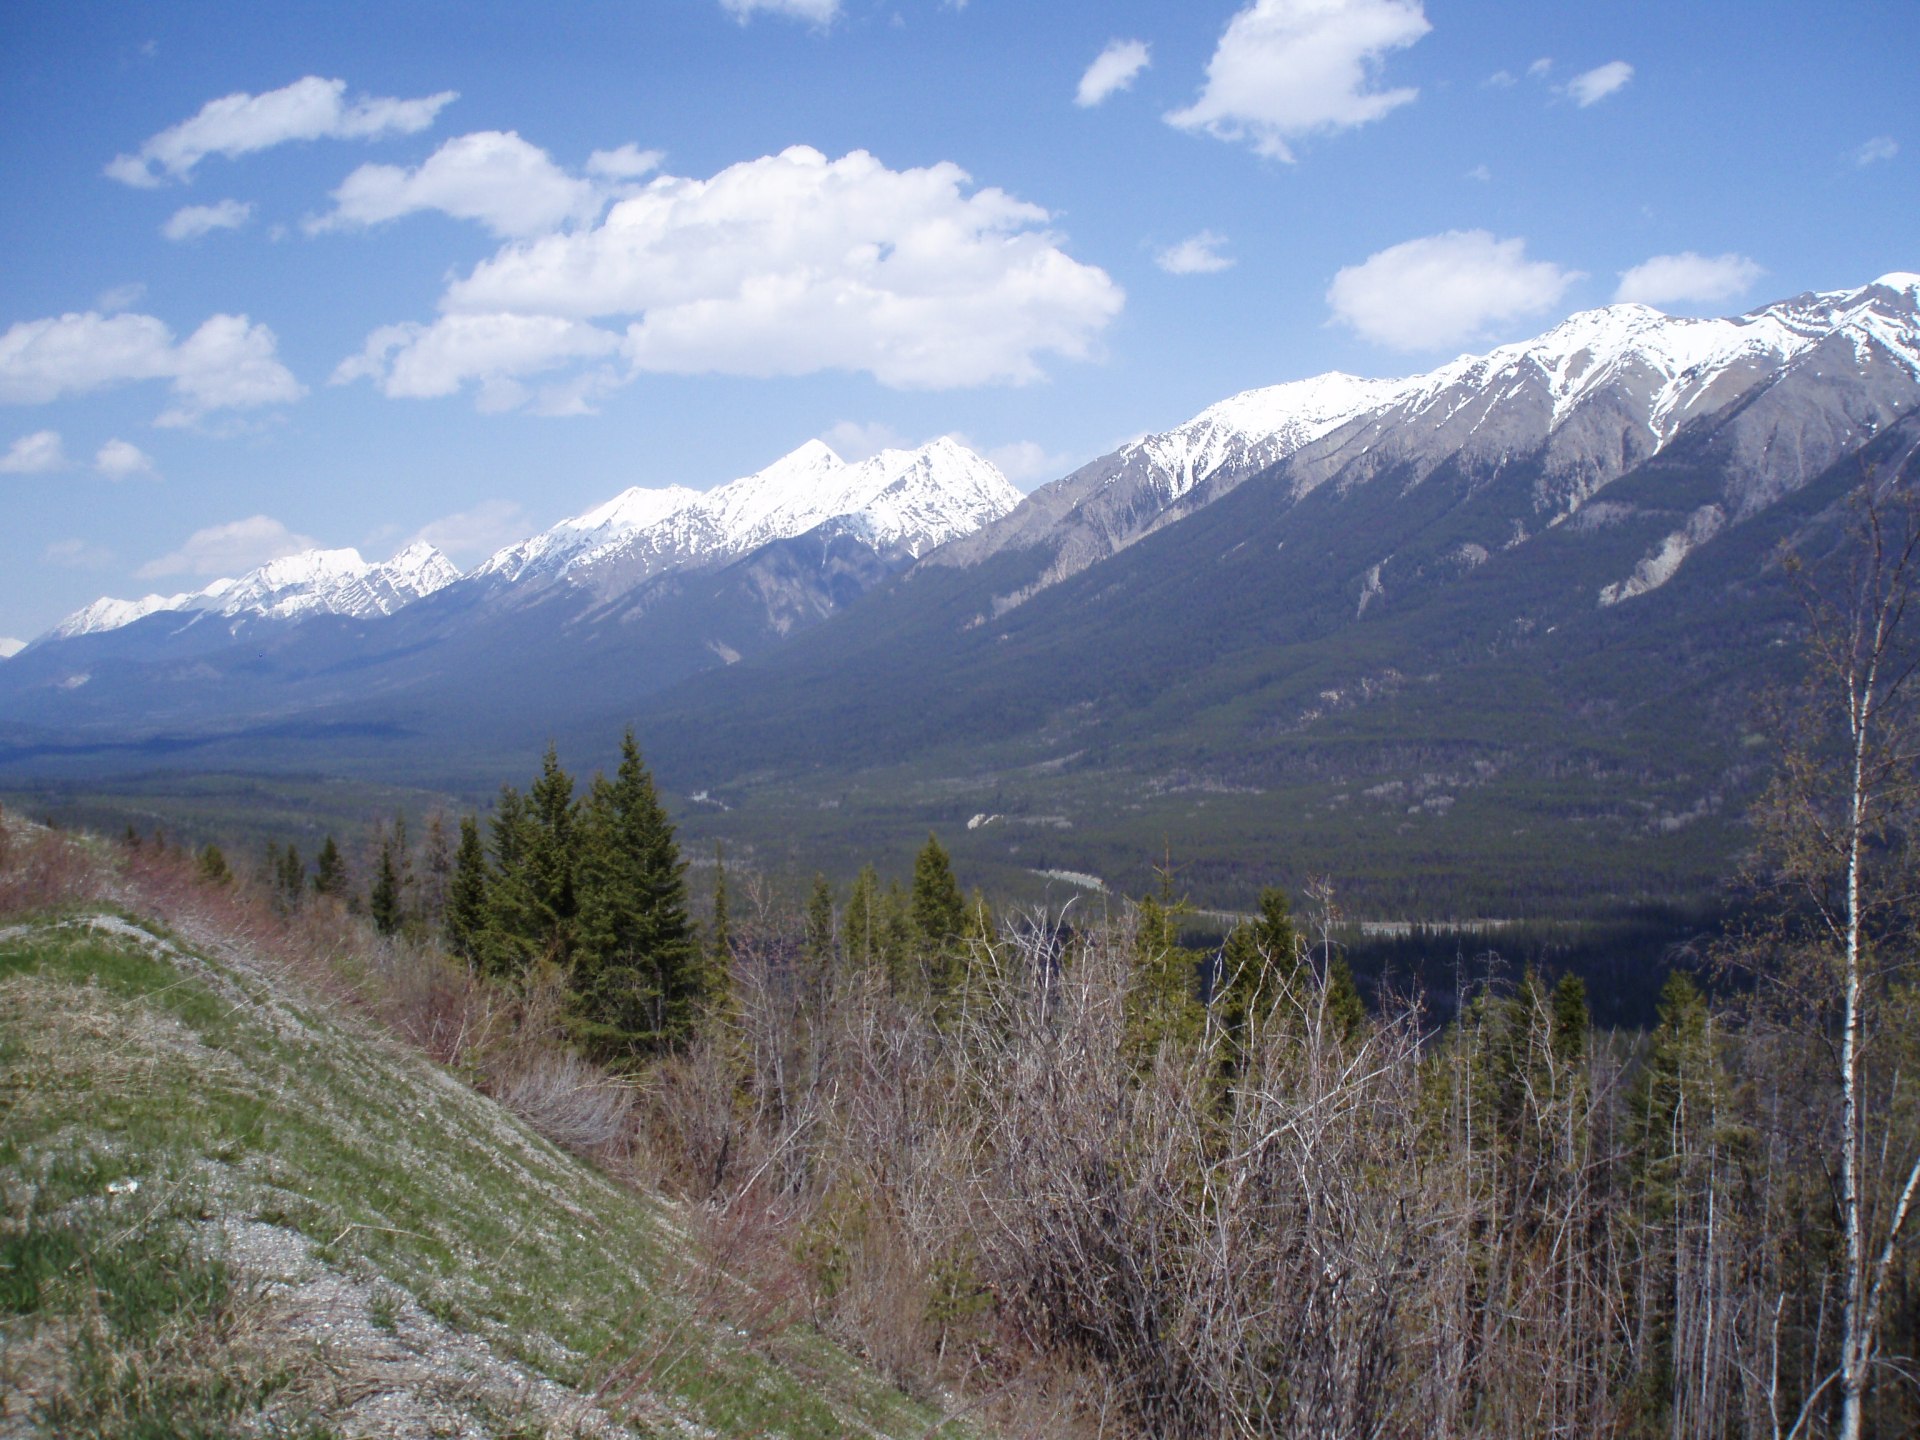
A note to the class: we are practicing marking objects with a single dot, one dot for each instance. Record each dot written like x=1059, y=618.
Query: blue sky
x=350, y=275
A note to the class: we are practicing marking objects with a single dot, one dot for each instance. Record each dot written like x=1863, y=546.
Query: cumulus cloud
x=1880, y=147
x=239, y=124
x=786, y=265
x=1444, y=290
x=122, y=460
x=229, y=549
x=1590, y=87
x=476, y=533
x=1285, y=69
x=491, y=176
x=34, y=454
x=1687, y=277
x=229, y=363
x=820, y=12
x=193, y=221
x=1541, y=68
x=1195, y=255
x=627, y=162
x=1113, y=69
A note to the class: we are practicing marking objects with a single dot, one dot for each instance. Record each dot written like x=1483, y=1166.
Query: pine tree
x=330, y=871
x=1161, y=1005
x=466, y=917
x=636, y=975
x=292, y=877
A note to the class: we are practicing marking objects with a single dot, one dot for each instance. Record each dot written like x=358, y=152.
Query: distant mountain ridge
x=1509, y=612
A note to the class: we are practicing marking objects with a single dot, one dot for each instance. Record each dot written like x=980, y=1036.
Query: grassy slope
x=242, y=1110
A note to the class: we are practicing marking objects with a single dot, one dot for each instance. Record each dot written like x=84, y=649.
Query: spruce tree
x=513, y=934
x=717, y=986
x=939, y=918
x=551, y=856
x=383, y=897
x=466, y=918
x=330, y=871
x=636, y=976
x=861, y=927
x=819, y=951
x=213, y=867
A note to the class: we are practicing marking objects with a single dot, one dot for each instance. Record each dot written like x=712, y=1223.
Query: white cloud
x=1480, y=173
x=420, y=361
x=1880, y=147
x=10, y=647
x=1285, y=69
x=1114, y=68
x=854, y=441
x=34, y=454
x=820, y=12
x=229, y=549
x=121, y=297
x=628, y=162
x=476, y=533
x=228, y=363
x=78, y=555
x=1592, y=86
x=491, y=176
x=1195, y=255
x=1541, y=68
x=1444, y=290
x=239, y=124
x=193, y=221
x=1026, y=461
x=122, y=460
x=1687, y=277
x=1500, y=80
x=786, y=265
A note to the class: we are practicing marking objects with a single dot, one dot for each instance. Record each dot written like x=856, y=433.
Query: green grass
x=220, y=1094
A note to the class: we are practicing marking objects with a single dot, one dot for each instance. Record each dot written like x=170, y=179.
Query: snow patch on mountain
x=10, y=647
x=579, y=537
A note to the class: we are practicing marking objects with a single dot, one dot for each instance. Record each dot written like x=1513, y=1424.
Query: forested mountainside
x=1520, y=608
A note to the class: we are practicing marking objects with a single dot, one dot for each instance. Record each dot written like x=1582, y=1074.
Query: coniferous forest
x=1082, y=1176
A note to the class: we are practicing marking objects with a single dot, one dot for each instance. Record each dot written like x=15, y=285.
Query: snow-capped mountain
x=899, y=502
x=1597, y=394
x=313, y=582
x=10, y=647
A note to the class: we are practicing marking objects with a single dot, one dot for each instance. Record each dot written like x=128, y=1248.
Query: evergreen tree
x=718, y=985
x=897, y=941
x=819, y=951
x=513, y=935
x=292, y=877
x=939, y=919
x=861, y=929
x=213, y=867
x=437, y=878
x=636, y=975
x=1162, y=1006
x=466, y=916
x=550, y=857
x=383, y=897
x=1258, y=960
x=1571, y=1019
x=939, y=911
x=330, y=871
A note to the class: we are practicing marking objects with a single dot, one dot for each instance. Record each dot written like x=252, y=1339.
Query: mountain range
x=1506, y=615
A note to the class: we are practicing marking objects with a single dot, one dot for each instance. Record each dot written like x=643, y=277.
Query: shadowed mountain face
x=1514, y=609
